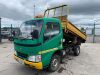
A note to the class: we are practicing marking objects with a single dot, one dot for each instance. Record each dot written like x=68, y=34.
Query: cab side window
x=51, y=30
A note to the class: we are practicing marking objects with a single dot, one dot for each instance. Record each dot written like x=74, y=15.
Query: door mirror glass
x=35, y=34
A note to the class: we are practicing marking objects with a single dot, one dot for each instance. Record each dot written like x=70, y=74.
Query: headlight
x=31, y=58
x=36, y=58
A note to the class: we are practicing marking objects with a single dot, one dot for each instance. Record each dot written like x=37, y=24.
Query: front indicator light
x=38, y=58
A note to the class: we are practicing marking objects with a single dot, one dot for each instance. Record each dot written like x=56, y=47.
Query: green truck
x=43, y=41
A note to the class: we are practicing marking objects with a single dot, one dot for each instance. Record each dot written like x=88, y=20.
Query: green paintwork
x=54, y=43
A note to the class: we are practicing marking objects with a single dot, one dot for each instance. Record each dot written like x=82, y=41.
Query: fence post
x=0, y=31
x=94, y=33
x=11, y=30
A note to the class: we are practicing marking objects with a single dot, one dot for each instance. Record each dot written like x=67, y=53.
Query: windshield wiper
x=23, y=38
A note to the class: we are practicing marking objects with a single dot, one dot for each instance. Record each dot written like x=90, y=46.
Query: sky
x=80, y=11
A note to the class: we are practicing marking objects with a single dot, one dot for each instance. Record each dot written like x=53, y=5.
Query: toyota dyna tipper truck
x=44, y=41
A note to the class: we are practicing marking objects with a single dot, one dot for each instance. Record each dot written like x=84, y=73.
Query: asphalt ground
x=87, y=63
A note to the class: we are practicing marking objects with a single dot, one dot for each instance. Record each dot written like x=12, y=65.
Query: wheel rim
x=54, y=64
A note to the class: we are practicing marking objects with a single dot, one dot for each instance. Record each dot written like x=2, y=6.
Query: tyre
x=76, y=50
x=55, y=63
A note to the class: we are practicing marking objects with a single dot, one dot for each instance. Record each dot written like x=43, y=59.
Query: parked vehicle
x=43, y=42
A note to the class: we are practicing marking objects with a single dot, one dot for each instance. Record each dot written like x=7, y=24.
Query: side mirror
x=35, y=34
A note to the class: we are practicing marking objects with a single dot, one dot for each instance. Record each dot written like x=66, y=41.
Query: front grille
x=22, y=55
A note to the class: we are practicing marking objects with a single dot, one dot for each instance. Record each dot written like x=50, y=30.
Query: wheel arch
x=58, y=52
x=49, y=56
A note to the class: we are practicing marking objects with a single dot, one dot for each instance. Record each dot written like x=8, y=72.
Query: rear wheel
x=55, y=62
x=76, y=50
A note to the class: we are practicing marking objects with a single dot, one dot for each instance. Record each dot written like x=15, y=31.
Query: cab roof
x=44, y=18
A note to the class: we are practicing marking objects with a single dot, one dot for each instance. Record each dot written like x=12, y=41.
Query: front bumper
x=37, y=65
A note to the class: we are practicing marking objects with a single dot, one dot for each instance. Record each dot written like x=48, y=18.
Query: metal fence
x=7, y=30
x=91, y=37
x=89, y=31
x=92, y=31
x=10, y=25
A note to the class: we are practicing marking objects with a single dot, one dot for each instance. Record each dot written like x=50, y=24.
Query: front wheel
x=55, y=63
x=76, y=50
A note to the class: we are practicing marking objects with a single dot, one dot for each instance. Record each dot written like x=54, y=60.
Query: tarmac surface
x=87, y=63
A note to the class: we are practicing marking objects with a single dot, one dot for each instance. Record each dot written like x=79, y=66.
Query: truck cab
x=39, y=39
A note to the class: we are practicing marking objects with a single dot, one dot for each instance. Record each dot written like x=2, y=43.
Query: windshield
x=29, y=26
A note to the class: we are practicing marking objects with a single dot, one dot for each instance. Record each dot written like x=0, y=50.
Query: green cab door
x=51, y=40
